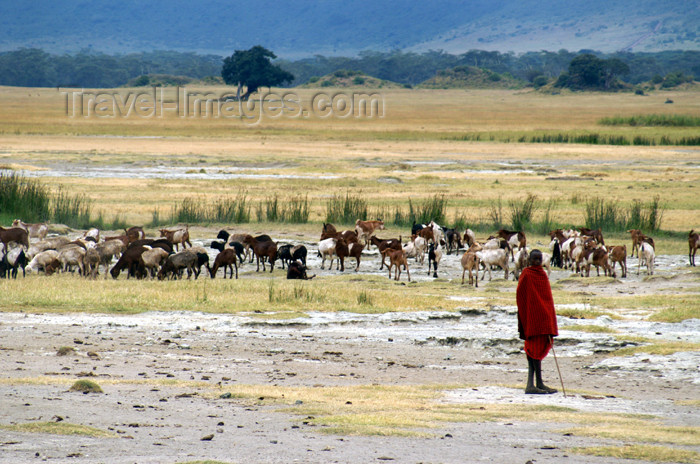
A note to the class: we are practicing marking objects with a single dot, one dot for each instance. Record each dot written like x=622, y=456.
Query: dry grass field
x=345, y=378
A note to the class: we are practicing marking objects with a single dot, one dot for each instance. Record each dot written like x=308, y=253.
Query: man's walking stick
x=557, y=364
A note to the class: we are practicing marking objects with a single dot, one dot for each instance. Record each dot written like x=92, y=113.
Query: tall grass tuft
x=432, y=209
x=23, y=198
x=522, y=212
x=198, y=210
x=610, y=215
x=667, y=120
x=71, y=210
x=496, y=213
x=346, y=210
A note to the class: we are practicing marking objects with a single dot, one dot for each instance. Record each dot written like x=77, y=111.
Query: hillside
x=470, y=77
x=333, y=27
x=345, y=78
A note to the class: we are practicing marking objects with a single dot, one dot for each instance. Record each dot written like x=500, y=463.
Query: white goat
x=327, y=248
x=72, y=256
x=41, y=260
x=416, y=249
x=493, y=258
x=34, y=230
x=646, y=257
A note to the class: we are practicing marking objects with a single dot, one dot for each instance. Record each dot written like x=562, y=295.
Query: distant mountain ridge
x=301, y=28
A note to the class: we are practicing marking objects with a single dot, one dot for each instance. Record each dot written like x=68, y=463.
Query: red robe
x=537, y=321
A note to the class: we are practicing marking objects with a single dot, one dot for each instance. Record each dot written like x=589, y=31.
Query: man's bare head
x=535, y=258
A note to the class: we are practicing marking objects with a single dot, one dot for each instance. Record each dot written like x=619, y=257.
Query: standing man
x=537, y=321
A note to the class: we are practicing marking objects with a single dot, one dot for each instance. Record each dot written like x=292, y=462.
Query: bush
x=358, y=80
x=540, y=81
x=86, y=386
x=313, y=79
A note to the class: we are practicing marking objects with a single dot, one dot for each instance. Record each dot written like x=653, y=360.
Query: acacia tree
x=252, y=69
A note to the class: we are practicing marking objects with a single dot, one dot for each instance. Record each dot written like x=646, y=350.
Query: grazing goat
x=326, y=248
x=177, y=237
x=618, y=254
x=434, y=257
x=290, y=253
x=38, y=230
x=636, y=236
x=153, y=259
x=470, y=262
x=261, y=250
x=134, y=233
x=453, y=239
x=344, y=250
x=91, y=261
x=93, y=233
x=108, y=250
x=427, y=234
x=469, y=237
x=366, y=229
x=397, y=258
x=596, y=256
x=11, y=260
x=41, y=260
x=297, y=270
x=384, y=245
x=514, y=239
x=646, y=256
x=490, y=258
x=185, y=259
x=131, y=261
x=693, y=245
x=597, y=234
x=416, y=248
x=72, y=255
x=14, y=234
x=226, y=260
x=238, y=247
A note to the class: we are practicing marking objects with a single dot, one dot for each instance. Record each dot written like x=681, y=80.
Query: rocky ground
x=476, y=350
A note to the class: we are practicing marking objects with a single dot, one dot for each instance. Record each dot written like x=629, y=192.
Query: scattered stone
x=225, y=396
x=207, y=437
x=93, y=355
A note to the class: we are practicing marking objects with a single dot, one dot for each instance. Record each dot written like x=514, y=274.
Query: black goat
x=297, y=270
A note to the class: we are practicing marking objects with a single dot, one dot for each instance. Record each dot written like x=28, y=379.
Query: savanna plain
x=352, y=366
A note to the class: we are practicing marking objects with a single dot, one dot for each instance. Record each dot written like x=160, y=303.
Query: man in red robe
x=537, y=321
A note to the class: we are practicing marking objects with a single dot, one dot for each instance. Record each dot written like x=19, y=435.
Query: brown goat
x=177, y=237
x=384, y=245
x=470, y=262
x=344, y=250
x=693, y=245
x=14, y=234
x=618, y=254
x=226, y=260
x=262, y=250
x=398, y=258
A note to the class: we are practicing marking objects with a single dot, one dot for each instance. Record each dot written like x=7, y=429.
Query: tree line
x=31, y=67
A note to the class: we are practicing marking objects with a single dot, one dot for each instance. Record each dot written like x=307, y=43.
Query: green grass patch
x=590, y=328
x=647, y=120
x=642, y=453
x=645, y=433
x=655, y=347
x=58, y=428
x=86, y=386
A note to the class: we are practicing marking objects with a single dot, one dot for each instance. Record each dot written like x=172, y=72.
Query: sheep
x=470, y=262
x=130, y=260
x=109, y=249
x=185, y=259
x=91, y=261
x=92, y=233
x=226, y=260
x=34, y=230
x=40, y=261
x=152, y=259
x=326, y=248
x=397, y=258
x=434, y=256
x=646, y=256
x=52, y=243
x=72, y=255
x=493, y=258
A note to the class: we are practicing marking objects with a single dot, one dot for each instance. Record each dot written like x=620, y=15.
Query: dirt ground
x=156, y=422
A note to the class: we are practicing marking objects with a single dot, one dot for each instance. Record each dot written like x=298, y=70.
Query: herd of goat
x=26, y=247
